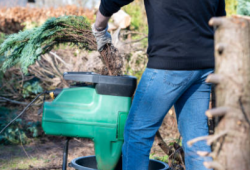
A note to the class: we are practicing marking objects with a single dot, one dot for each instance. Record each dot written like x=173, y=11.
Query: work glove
x=102, y=37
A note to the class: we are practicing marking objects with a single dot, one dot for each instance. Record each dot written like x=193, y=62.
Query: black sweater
x=179, y=35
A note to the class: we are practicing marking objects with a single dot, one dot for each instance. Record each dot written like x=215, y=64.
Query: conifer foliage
x=25, y=47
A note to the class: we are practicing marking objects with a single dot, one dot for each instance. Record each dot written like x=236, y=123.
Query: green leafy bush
x=17, y=132
x=31, y=88
x=33, y=128
x=12, y=134
x=231, y=7
x=138, y=16
x=138, y=20
x=243, y=7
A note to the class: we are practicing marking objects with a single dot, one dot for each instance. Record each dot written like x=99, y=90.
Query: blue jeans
x=156, y=93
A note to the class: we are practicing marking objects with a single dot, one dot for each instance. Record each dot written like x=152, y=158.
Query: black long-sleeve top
x=179, y=35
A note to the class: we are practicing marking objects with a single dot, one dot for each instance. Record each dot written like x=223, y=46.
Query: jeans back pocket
x=177, y=78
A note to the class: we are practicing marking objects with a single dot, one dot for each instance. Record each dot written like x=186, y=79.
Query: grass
x=14, y=158
x=19, y=163
x=164, y=158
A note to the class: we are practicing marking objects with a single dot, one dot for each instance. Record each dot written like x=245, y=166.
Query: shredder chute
x=97, y=111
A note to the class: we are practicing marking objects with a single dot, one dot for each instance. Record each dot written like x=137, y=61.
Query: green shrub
x=137, y=12
x=31, y=88
x=243, y=7
x=231, y=7
x=17, y=132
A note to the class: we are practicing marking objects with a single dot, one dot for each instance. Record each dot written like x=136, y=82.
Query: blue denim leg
x=157, y=91
x=192, y=122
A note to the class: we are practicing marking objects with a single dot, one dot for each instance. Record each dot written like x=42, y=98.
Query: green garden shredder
x=97, y=111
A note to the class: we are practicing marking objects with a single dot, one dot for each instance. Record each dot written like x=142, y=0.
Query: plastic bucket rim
x=74, y=165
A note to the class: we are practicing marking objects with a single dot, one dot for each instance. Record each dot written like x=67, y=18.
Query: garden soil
x=47, y=151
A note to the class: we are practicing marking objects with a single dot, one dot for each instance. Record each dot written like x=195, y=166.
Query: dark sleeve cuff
x=221, y=11
x=109, y=7
x=104, y=12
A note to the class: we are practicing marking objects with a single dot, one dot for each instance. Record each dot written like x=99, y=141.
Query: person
x=180, y=57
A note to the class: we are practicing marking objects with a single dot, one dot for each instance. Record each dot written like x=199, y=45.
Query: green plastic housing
x=81, y=112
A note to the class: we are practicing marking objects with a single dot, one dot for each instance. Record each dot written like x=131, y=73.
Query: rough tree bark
x=232, y=76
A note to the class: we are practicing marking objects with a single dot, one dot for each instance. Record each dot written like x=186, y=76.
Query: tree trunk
x=232, y=75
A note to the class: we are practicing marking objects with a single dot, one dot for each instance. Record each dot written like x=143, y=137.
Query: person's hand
x=102, y=37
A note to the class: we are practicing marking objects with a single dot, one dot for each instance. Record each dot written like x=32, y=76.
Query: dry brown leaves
x=11, y=19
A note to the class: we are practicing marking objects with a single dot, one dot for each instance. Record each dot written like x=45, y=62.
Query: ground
x=47, y=151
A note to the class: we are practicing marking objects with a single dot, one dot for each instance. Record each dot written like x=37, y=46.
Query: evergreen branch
x=25, y=47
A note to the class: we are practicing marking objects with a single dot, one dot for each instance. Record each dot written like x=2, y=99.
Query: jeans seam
x=149, y=83
x=180, y=84
x=150, y=80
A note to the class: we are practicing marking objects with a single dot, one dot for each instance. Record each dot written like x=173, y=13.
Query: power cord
x=20, y=114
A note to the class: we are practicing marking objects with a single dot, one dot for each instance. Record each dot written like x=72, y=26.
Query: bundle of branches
x=24, y=48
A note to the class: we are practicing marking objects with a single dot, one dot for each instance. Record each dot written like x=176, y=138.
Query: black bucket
x=89, y=163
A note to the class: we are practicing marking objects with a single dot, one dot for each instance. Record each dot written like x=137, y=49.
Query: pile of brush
x=25, y=48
